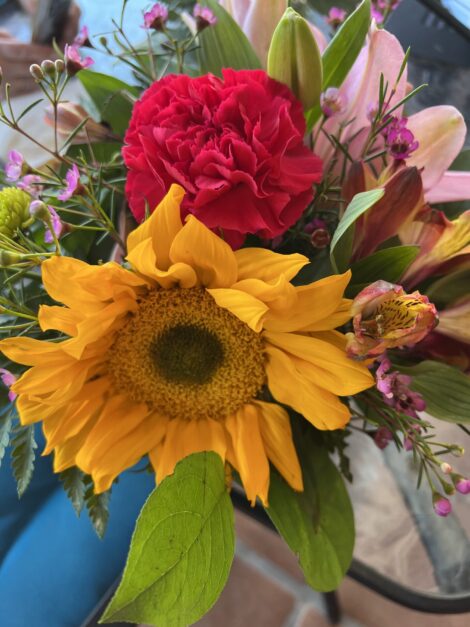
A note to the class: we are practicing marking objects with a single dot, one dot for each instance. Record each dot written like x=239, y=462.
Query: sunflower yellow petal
x=184, y=437
x=161, y=227
x=59, y=318
x=323, y=363
x=316, y=301
x=250, y=455
x=247, y=308
x=31, y=411
x=31, y=352
x=211, y=257
x=65, y=455
x=334, y=320
x=277, y=437
x=266, y=265
x=289, y=386
x=280, y=294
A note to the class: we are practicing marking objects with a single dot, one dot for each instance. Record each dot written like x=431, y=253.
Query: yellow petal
x=250, y=455
x=143, y=260
x=247, y=308
x=119, y=417
x=185, y=437
x=336, y=319
x=31, y=411
x=323, y=363
x=266, y=265
x=315, y=302
x=280, y=295
x=31, y=352
x=127, y=451
x=208, y=254
x=161, y=227
x=59, y=318
x=277, y=437
x=289, y=386
x=65, y=455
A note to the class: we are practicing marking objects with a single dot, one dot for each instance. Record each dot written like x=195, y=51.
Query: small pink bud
x=155, y=18
x=332, y=102
x=204, y=17
x=383, y=437
x=442, y=506
x=463, y=486
x=446, y=468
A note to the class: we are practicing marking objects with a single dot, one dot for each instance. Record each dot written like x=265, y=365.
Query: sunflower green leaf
x=182, y=548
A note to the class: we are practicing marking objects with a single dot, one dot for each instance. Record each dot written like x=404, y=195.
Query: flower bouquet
x=225, y=266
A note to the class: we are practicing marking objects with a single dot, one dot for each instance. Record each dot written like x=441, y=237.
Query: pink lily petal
x=441, y=134
x=259, y=23
x=452, y=187
x=320, y=38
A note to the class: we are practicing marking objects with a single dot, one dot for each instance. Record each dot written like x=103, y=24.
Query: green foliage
x=318, y=523
x=342, y=242
x=294, y=58
x=445, y=389
x=73, y=480
x=182, y=548
x=23, y=446
x=97, y=507
x=342, y=51
x=449, y=288
x=225, y=45
x=388, y=265
x=112, y=97
x=6, y=424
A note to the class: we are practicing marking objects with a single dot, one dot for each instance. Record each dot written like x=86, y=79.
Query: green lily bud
x=14, y=210
x=294, y=58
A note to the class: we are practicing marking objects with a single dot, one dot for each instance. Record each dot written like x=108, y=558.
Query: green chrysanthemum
x=14, y=210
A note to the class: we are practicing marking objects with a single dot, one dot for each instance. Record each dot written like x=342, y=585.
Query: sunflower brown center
x=186, y=357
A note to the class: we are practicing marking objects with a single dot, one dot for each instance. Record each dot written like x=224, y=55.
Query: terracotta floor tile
x=250, y=599
x=372, y=610
x=309, y=617
x=268, y=544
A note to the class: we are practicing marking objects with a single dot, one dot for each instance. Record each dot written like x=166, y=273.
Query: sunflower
x=183, y=353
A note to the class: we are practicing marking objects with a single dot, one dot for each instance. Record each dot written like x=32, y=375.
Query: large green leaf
x=318, y=523
x=445, y=389
x=224, y=45
x=449, y=288
x=387, y=265
x=342, y=51
x=182, y=548
x=342, y=242
x=112, y=97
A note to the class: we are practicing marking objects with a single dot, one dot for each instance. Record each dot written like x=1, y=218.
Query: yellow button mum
x=176, y=356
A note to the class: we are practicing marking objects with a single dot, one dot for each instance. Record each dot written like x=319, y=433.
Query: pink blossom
x=74, y=62
x=57, y=227
x=399, y=140
x=332, y=102
x=155, y=18
x=336, y=16
x=204, y=17
x=73, y=183
x=396, y=392
x=383, y=437
x=8, y=379
x=442, y=506
x=30, y=184
x=14, y=166
x=82, y=38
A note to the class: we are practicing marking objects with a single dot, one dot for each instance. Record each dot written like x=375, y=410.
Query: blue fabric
x=53, y=568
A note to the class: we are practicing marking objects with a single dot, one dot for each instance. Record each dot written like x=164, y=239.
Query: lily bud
x=294, y=58
x=385, y=316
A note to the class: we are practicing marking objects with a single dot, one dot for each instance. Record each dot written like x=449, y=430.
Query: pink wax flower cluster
x=155, y=18
x=396, y=391
x=332, y=102
x=8, y=379
x=74, y=62
x=399, y=140
x=204, y=17
x=336, y=17
x=73, y=186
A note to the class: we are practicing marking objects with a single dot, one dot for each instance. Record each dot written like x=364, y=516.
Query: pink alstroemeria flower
x=385, y=316
x=72, y=178
x=259, y=18
x=8, y=379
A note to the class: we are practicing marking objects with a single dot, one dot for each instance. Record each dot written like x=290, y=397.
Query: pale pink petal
x=260, y=22
x=320, y=38
x=453, y=186
x=441, y=134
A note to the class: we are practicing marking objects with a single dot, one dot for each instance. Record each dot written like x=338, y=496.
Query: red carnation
x=235, y=145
